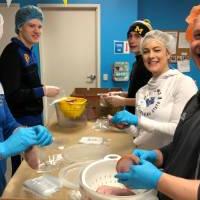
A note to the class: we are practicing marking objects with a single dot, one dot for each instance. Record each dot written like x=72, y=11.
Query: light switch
x=105, y=77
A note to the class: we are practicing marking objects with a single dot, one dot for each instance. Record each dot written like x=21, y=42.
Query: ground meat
x=125, y=162
x=119, y=126
x=110, y=190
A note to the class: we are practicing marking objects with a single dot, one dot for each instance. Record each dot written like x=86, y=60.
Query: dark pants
x=15, y=161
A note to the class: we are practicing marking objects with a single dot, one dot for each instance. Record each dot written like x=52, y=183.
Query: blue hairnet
x=25, y=14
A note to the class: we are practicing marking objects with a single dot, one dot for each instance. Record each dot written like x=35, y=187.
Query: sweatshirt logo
x=149, y=103
x=27, y=58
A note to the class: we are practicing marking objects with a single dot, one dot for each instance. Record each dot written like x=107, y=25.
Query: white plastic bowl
x=70, y=175
x=101, y=173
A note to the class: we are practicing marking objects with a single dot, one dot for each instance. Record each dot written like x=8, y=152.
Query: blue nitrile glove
x=125, y=117
x=44, y=137
x=20, y=140
x=142, y=176
x=150, y=156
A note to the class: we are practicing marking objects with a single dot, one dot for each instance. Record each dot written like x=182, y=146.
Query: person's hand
x=125, y=117
x=21, y=140
x=142, y=176
x=44, y=137
x=31, y=157
x=120, y=93
x=115, y=100
x=51, y=91
x=119, y=126
x=150, y=155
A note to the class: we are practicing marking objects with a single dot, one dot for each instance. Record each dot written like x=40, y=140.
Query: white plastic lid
x=85, y=152
x=70, y=175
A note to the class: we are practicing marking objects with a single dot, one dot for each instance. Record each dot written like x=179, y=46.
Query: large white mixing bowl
x=102, y=172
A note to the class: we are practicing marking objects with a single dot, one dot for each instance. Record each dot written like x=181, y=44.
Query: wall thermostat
x=121, y=71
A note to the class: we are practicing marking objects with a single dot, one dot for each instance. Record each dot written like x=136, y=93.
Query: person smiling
x=19, y=71
x=139, y=75
x=159, y=103
x=180, y=159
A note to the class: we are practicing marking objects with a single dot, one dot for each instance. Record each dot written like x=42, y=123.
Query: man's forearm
x=178, y=188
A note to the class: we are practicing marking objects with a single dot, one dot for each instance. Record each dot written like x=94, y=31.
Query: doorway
x=69, y=49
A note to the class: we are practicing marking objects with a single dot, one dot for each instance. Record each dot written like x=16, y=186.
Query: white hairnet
x=166, y=39
x=1, y=25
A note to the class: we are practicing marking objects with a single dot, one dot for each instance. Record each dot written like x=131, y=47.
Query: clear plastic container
x=43, y=186
x=65, y=121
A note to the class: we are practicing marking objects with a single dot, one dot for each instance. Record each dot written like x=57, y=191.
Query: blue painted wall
x=116, y=16
x=172, y=16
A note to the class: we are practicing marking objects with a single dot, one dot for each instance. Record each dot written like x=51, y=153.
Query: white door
x=69, y=49
x=9, y=23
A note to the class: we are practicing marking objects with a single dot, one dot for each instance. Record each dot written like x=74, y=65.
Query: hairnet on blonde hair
x=166, y=39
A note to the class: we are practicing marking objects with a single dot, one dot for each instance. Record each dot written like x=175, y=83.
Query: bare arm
x=118, y=101
x=120, y=93
x=129, y=101
x=178, y=188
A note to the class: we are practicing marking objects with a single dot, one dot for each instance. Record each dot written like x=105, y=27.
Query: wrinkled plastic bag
x=75, y=195
x=43, y=186
x=101, y=124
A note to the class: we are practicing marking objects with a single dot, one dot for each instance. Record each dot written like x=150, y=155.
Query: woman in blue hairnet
x=19, y=72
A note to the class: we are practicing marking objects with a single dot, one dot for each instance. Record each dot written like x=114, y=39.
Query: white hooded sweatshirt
x=159, y=105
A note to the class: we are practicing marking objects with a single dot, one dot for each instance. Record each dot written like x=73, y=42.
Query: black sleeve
x=166, y=151
x=143, y=75
x=10, y=77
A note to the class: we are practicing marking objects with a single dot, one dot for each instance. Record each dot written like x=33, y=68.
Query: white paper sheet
x=183, y=65
x=9, y=2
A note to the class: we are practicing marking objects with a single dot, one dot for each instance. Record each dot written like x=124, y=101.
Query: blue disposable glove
x=150, y=156
x=142, y=176
x=19, y=141
x=44, y=137
x=125, y=117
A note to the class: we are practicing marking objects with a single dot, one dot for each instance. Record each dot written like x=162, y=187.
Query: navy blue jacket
x=21, y=82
